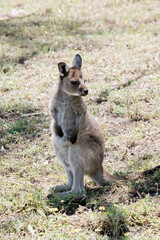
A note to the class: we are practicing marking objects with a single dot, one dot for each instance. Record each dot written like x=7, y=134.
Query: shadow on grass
x=108, y=221
x=147, y=183
x=20, y=119
x=26, y=127
x=69, y=204
x=29, y=36
x=8, y=227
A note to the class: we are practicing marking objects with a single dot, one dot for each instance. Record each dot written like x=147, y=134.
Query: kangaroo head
x=71, y=79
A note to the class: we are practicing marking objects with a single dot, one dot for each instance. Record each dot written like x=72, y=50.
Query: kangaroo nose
x=86, y=91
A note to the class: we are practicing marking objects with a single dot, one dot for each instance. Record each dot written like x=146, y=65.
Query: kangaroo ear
x=63, y=69
x=77, y=62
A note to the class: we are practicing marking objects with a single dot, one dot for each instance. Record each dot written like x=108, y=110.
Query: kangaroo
x=78, y=140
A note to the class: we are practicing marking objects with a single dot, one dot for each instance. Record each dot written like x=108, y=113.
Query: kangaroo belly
x=61, y=148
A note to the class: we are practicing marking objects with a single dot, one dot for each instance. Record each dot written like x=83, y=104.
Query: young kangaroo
x=78, y=140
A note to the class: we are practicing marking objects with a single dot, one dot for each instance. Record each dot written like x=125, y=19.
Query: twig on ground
x=32, y=114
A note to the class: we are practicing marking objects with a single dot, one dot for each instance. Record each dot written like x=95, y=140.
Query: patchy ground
x=119, y=44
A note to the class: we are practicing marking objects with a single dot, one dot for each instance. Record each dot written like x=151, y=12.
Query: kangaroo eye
x=74, y=83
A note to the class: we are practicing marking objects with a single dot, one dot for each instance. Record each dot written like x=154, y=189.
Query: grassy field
x=119, y=43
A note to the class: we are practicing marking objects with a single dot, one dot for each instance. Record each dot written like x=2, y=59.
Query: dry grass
x=119, y=43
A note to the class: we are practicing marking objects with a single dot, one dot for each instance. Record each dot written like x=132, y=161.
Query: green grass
x=119, y=43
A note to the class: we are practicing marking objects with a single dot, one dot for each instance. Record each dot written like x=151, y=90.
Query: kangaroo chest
x=69, y=115
x=66, y=119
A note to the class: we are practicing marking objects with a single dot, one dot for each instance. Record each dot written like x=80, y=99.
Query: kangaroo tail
x=103, y=177
x=143, y=174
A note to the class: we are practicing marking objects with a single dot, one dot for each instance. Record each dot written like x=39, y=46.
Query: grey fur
x=77, y=62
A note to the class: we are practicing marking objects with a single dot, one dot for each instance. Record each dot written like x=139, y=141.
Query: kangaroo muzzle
x=83, y=91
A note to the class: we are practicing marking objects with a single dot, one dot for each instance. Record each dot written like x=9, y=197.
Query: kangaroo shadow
x=69, y=204
x=147, y=183
x=111, y=221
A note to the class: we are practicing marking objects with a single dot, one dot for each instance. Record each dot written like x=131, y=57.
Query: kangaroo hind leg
x=68, y=186
x=76, y=161
x=100, y=177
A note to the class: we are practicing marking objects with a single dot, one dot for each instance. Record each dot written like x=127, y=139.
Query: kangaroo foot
x=61, y=188
x=72, y=194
